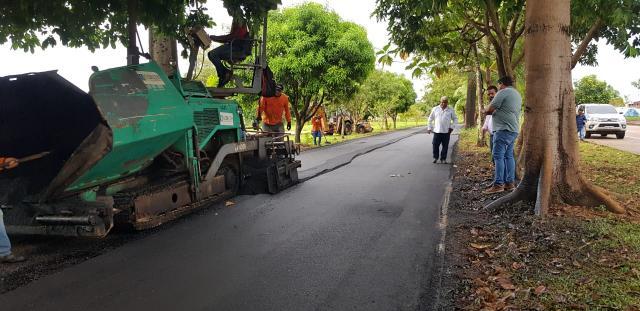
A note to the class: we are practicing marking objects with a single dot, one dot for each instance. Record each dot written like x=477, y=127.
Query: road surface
x=630, y=143
x=360, y=235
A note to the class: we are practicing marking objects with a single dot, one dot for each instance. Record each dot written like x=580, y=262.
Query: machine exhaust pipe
x=67, y=220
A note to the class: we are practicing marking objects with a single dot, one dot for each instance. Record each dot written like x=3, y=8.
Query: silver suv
x=603, y=119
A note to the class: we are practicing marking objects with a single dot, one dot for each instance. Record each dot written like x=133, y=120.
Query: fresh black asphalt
x=362, y=236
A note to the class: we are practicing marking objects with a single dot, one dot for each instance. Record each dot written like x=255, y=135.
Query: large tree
x=317, y=56
x=591, y=90
x=389, y=95
x=552, y=173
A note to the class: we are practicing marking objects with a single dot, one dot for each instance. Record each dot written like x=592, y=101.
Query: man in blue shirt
x=505, y=110
x=581, y=120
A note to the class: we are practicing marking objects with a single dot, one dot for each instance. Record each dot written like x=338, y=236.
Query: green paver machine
x=141, y=148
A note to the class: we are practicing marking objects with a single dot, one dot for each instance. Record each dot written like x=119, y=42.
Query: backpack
x=268, y=83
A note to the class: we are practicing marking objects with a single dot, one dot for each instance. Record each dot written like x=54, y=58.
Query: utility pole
x=132, y=49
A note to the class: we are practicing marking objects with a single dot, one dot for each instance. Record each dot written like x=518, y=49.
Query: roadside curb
x=338, y=162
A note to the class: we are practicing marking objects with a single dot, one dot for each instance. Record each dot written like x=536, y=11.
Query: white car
x=603, y=119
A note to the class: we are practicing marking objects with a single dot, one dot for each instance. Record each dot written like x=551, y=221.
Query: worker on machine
x=270, y=110
x=6, y=256
x=236, y=47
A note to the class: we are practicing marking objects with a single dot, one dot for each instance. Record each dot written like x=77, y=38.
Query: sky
x=74, y=64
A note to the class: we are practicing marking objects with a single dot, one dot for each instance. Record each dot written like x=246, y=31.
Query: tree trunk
x=479, y=98
x=550, y=147
x=394, y=117
x=132, y=48
x=299, y=126
x=386, y=124
x=470, y=104
x=164, y=51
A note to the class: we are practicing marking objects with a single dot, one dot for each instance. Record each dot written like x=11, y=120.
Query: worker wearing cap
x=270, y=110
x=5, y=245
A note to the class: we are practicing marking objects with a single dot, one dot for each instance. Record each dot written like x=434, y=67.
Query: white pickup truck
x=603, y=119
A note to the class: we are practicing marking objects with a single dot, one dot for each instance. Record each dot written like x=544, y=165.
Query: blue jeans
x=5, y=245
x=318, y=135
x=581, y=132
x=505, y=164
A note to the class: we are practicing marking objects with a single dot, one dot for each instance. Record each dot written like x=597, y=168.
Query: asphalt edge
x=432, y=295
x=353, y=156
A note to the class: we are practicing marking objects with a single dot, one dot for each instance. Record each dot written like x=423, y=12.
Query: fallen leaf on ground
x=506, y=284
x=540, y=289
x=229, y=203
x=480, y=246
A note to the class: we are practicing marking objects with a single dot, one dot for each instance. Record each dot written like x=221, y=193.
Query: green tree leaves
x=591, y=90
x=317, y=56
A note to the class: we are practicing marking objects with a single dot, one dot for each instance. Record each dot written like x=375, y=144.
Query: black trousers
x=440, y=139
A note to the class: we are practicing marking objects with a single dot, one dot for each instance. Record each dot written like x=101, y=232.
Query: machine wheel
x=231, y=173
x=620, y=135
x=348, y=128
x=587, y=135
x=360, y=129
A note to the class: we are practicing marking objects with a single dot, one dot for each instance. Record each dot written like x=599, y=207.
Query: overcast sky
x=75, y=64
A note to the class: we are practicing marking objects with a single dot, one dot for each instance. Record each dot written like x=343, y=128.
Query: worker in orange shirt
x=270, y=110
x=5, y=245
x=316, y=130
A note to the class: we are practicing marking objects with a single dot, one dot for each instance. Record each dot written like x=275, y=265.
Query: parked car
x=603, y=119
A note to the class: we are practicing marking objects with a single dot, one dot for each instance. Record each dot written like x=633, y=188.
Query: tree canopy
x=636, y=84
x=317, y=56
x=388, y=94
x=591, y=90
x=100, y=24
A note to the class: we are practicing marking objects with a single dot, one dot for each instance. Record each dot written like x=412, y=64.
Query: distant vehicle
x=632, y=112
x=363, y=126
x=603, y=119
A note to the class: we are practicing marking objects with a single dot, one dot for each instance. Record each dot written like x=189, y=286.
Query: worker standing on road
x=270, y=110
x=5, y=245
x=445, y=119
x=316, y=130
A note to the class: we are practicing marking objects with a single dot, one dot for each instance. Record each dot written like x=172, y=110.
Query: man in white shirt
x=487, y=127
x=441, y=123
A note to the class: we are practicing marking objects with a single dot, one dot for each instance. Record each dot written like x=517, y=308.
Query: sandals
x=11, y=258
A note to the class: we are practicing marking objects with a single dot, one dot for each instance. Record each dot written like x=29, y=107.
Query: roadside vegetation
x=574, y=258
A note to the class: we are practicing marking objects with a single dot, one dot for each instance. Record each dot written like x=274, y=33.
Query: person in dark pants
x=236, y=46
x=441, y=123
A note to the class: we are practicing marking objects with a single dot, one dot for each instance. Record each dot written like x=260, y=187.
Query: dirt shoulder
x=576, y=258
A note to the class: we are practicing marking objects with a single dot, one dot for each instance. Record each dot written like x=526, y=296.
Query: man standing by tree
x=270, y=110
x=5, y=244
x=488, y=123
x=505, y=110
x=445, y=119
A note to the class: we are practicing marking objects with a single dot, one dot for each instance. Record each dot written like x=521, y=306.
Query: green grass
x=608, y=272
x=633, y=118
x=612, y=169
